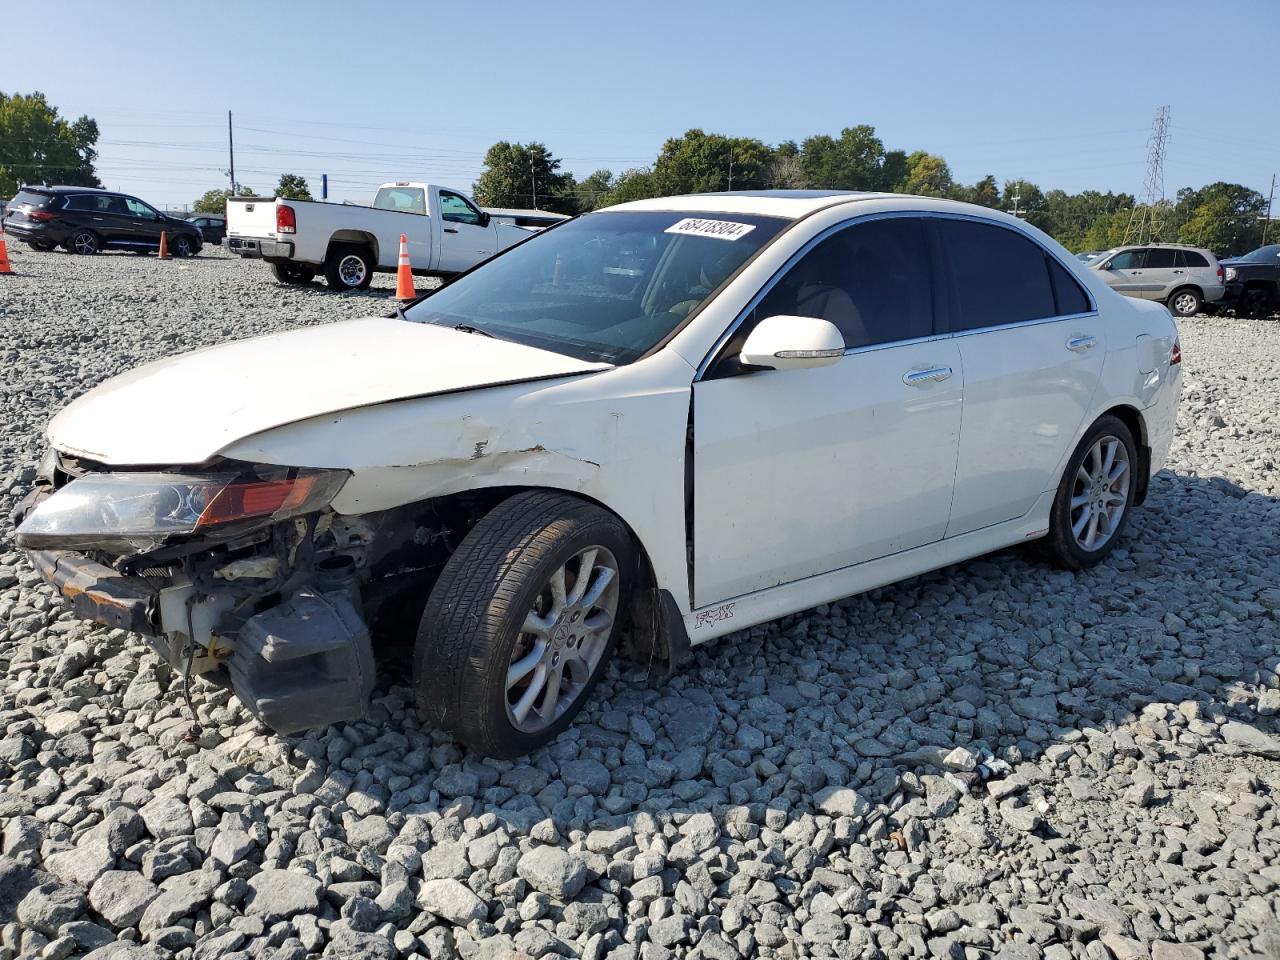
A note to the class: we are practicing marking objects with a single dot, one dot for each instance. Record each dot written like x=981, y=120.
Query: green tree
x=38, y=146
x=215, y=201
x=524, y=175
x=293, y=187
x=927, y=176
x=591, y=192
x=633, y=185
x=985, y=193
x=855, y=161
x=1224, y=217
x=700, y=162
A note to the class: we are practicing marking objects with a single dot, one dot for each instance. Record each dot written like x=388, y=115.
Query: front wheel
x=40, y=245
x=292, y=274
x=522, y=621
x=1184, y=303
x=1092, y=505
x=349, y=267
x=1255, y=304
x=183, y=246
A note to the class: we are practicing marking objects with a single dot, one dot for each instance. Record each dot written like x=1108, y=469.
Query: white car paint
x=436, y=244
x=808, y=485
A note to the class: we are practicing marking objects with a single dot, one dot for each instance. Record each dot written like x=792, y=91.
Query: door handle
x=918, y=378
x=1081, y=344
x=450, y=229
x=1179, y=271
x=1136, y=273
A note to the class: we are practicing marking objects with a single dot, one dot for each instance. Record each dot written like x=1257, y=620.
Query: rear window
x=32, y=197
x=999, y=276
x=1159, y=258
x=404, y=199
x=1067, y=292
x=97, y=202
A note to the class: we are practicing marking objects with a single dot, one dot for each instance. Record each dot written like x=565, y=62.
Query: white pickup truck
x=348, y=243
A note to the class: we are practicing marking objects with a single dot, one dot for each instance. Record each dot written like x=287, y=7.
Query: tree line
x=1227, y=218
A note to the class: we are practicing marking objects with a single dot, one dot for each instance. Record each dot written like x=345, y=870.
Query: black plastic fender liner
x=305, y=663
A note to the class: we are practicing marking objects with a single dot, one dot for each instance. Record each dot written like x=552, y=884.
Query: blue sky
x=1062, y=94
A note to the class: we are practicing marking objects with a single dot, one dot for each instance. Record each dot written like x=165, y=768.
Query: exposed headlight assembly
x=1231, y=273
x=137, y=512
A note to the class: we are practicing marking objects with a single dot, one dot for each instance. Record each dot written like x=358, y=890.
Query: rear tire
x=40, y=245
x=349, y=267
x=1100, y=481
x=509, y=648
x=1184, y=302
x=85, y=243
x=292, y=274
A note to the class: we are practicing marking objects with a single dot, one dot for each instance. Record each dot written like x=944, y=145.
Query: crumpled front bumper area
x=97, y=592
x=299, y=659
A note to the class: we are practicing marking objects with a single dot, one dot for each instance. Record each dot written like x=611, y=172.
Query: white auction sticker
x=720, y=229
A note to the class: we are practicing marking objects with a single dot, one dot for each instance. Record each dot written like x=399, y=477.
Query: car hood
x=186, y=409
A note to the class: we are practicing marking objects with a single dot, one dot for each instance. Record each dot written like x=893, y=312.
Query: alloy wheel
x=1184, y=304
x=1100, y=494
x=563, y=639
x=84, y=243
x=352, y=270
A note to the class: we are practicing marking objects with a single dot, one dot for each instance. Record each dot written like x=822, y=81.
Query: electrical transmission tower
x=1144, y=223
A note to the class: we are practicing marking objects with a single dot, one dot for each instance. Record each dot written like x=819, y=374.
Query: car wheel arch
x=657, y=633
x=354, y=238
x=1133, y=419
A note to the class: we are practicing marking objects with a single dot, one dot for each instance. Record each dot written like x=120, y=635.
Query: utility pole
x=533, y=179
x=231, y=147
x=1266, y=225
x=1014, y=211
x=730, y=166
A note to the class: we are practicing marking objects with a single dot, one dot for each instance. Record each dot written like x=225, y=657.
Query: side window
x=872, y=280
x=1160, y=258
x=1128, y=260
x=139, y=209
x=82, y=201
x=1189, y=258
x=455, y=209
x=1068, y=296
x=998, y=275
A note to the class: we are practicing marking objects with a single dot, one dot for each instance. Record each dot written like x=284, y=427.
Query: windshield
x=404, y=199
x=604, y=287
x=1263, y=254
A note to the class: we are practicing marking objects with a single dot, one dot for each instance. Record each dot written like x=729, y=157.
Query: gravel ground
x=998, y=759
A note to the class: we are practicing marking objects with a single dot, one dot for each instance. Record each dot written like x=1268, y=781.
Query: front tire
x=515, y=634
x=1095, y=497
x=1255, y=304
x=183, y=246
x=40, y=245
x=84, y=243
x=1185, y=302
x=349, y=267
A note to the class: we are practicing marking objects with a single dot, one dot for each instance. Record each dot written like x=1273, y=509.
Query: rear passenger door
x=1160, y=273
x=1032, y=347
x=800, y=472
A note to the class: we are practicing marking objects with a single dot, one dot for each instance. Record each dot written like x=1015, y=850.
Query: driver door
x=801, y=472
x=144, y=223
x=1124, y=272
x=466, y=236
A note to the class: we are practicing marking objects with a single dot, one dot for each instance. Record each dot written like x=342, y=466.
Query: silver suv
x=1181, y=277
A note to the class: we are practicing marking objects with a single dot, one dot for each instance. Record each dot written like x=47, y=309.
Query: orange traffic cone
x=164, y=247
x=404, y=273
x=4, y=258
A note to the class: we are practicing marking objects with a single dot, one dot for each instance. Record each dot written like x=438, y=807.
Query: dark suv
x=87, y=220
x=213, y=227
x=1253, y=282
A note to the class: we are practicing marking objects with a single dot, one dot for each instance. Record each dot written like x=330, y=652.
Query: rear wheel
x=1184, y=302
x=292, y=273
x=84, y=242
x=522, y=622
x=349, y=267
x=1093, y=500
x=40, y=245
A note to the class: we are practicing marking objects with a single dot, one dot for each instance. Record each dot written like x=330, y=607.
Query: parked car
x=348, y=243
x=699, y=413
x=1182, y=278
x=1089, y=255
x=1253, y=282
x=212, y=227
x=86, y=220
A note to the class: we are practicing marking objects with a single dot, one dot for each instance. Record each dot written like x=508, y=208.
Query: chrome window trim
x=887, y=215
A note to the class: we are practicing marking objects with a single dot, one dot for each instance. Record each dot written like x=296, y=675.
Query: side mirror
x=793, y=343
x=484, y=219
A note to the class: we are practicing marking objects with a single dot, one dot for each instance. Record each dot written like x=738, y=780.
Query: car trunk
x=251, y=217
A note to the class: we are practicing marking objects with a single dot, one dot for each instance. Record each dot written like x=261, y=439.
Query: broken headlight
x=137, y=512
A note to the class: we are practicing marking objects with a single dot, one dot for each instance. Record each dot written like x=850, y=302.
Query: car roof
x=768, y=203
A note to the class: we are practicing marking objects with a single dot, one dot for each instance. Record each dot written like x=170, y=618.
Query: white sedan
x=693, y=413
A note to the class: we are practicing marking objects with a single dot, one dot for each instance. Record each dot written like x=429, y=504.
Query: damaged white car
x=693, y=413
